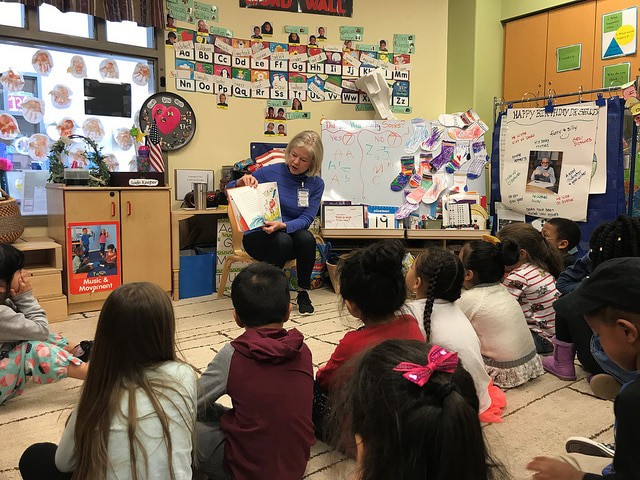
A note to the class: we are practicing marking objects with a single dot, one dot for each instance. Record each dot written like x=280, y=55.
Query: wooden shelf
x=447, y=234
x=40, y=253
x=362, y=233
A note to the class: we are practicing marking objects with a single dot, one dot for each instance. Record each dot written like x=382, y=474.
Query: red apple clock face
x=174, y=117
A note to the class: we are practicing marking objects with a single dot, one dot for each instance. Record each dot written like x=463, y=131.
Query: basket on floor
x=11, y=225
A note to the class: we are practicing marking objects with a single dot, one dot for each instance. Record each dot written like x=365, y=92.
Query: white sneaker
x=590, y=447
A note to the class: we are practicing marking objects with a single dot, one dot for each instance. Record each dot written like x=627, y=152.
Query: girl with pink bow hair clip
x=413, y=414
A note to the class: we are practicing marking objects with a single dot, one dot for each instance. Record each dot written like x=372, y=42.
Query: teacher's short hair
x=312, y=142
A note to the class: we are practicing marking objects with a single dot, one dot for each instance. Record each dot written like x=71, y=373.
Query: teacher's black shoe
x=304, y=303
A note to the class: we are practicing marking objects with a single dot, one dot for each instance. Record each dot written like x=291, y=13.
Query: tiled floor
x=539, y=416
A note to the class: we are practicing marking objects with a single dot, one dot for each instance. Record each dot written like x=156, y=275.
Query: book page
x=248, y=205
x=270, y=200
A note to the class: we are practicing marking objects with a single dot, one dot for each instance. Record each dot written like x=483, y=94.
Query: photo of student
x=267, y=29
x=281, y=114
x=294, y=38
x=269, y=129
x=222, y=101
x=296, y=104
x=312, y=40
x=282, y=130
x=171, y=38
x=171, y=23
x=383, y=46
x=203, y=27
x=270, y=113
x=321, y=33
x=256, y=33
x=348, y=45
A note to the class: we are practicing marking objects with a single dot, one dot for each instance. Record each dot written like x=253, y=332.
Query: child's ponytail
x=488, y=259
x=539, y=252
x=619, y=238
x=443, y=273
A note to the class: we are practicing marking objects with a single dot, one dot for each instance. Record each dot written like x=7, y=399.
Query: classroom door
x=525, y=46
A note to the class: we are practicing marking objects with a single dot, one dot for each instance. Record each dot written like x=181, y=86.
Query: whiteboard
x=361, y=159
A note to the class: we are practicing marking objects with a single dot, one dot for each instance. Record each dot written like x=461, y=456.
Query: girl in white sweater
x=507, y=347
x=136, y=414
x=436, y=278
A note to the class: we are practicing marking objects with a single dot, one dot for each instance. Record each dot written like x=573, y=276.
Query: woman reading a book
x=300, y=189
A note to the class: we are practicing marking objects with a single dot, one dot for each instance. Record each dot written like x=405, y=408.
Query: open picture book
x=252, y=207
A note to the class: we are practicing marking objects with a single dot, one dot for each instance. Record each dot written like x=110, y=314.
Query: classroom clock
x=173, y=116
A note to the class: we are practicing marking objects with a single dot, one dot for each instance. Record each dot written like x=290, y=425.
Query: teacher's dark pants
x=279, y=247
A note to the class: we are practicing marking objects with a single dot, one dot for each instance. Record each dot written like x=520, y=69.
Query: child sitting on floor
x=609, y=301
x=268, y=374
x=27, y=348
x=413, y=413
x=507, y=347
x=564, y=234
x=136, y=413
x=436, y=278
x=532, y=281
x=373, y=289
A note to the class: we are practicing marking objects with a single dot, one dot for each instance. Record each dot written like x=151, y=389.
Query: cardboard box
x=136, y=179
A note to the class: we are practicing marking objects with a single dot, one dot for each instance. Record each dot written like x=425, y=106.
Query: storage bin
x=196, y=274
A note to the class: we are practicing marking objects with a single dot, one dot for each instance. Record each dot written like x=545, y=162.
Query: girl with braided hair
x=436, y=279
x=373, y=290
x=532, y=281
x=412, y=411
x=618, y=238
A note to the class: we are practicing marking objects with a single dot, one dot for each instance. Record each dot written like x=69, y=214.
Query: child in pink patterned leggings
x=27, y=348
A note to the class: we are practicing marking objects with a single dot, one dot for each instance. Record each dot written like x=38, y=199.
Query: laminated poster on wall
x=546, y=160
x=619, y=33
x=93, y=257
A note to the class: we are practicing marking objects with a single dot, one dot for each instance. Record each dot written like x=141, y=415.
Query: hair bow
x=438, y=360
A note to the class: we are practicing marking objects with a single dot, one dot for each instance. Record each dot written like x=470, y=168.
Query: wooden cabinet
x=144, y=215
x=530, y=51
x=603, y=7
x=568, y=26
x=525, y=45
x=43, y=260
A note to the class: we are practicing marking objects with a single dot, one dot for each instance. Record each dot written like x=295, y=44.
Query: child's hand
x=20, y=283
x=547, y=468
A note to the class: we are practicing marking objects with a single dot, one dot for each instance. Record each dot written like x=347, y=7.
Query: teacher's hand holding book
x=270, y=227
x=248, y=181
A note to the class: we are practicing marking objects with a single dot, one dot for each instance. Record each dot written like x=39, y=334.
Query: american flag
x=155, y=152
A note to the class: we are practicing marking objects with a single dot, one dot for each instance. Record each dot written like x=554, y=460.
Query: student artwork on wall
x=93, y=257
x=546, y=160
x=308, y=64
x=619, y=33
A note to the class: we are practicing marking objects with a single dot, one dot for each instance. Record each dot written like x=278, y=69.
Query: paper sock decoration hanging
x=479, y=160
x=407, y=168
x=420, y=133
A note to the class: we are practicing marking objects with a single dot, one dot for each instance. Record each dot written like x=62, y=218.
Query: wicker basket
x=11, y=225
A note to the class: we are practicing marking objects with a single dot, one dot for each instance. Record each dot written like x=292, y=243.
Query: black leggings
x=574, y=329
x=38, y=463
x=279, y=247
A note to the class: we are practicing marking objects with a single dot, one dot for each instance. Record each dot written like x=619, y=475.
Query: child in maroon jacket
x=268, y=373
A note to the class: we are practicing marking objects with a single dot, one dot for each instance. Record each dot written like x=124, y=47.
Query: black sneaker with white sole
x=304, y=303
x=590, y=447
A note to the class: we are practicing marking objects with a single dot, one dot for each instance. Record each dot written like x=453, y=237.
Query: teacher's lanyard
x=303, y=196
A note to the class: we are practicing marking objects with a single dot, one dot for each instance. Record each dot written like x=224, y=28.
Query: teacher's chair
x=238, y=255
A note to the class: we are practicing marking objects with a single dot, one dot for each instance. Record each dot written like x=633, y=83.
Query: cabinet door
x=569, y=26
x=85, y=206
x=525, y=42
x=603, y=7
x=88, y=206
x=146, y=236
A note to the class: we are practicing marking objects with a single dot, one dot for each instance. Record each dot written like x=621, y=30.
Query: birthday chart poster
x=546, y=160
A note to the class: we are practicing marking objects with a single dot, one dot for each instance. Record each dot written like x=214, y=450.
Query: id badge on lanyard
x=303, y=196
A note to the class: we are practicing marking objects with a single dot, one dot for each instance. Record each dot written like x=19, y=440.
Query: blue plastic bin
x=196, y=278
